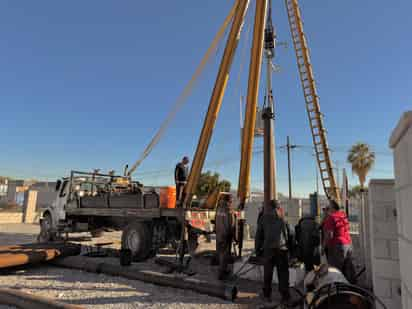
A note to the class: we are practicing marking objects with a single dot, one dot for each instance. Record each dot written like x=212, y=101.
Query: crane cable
x=181, y=100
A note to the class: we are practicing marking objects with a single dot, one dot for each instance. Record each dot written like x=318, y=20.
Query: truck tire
x=46, y=229
x=137, y=238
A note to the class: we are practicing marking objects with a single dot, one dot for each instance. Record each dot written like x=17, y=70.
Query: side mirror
x=58, y=184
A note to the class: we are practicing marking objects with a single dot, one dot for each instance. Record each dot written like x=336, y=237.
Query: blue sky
x=85, y=84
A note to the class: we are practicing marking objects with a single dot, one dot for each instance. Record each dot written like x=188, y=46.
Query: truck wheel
x=46, y=229
x=137, y=238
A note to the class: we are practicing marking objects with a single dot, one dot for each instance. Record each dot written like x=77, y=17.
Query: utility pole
x=337, y=174
x=289, y=147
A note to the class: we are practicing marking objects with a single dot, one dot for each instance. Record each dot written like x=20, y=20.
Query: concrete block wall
x=401, y=142
x=11, y=217
x=251, y=216
x=384, y=242
x=294, y=211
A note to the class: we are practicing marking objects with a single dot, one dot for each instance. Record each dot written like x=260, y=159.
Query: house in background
x=15, y=191
x=46, y=193
x=3, y=189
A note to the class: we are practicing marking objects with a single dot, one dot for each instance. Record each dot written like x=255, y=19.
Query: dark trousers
x=311, y=258
x=179, y=193
x=223, y=255
x=280, y=259
x=308, y=260
x=340, y=257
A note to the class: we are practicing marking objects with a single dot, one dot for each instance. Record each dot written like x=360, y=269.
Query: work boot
x=285, y=297
x=267, y=295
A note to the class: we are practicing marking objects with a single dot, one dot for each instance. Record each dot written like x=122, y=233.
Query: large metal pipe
x=328, y=288
x=251, y=103
x=215, y=101
x=11, y=256
x=269, y=160
x=224, y=291
x=23, y=300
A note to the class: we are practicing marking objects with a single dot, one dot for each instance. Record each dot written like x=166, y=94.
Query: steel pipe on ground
x=23, y=300
x=224, y=291
x=11, y=256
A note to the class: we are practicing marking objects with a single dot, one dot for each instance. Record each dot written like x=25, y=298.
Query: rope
x=181, y=100
x=242, y=64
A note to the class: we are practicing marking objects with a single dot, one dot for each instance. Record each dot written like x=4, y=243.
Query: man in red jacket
x=338, y=241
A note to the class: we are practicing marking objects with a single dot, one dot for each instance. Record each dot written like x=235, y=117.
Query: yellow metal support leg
x=215, y=101
x=252, y=100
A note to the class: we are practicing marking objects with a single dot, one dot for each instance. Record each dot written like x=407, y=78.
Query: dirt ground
x=100, y=291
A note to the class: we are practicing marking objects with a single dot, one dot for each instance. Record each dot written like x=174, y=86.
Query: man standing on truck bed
x=181, y=173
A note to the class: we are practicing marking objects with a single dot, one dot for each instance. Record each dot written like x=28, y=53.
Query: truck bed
x=143, y=213
x=125, y=212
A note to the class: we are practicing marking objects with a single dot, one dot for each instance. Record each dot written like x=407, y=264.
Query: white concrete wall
x=364, y=253
x=294, y=211
x=251, y=215
x=401, y=142
x=45, y=199
x=384, y=242
x=11, y=217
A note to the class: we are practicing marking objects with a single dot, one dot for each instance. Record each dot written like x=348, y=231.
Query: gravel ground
x=101, y=291
x=97, y=290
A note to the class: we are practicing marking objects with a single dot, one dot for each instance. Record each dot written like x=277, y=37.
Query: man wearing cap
x=181, y=173
x=338, y=241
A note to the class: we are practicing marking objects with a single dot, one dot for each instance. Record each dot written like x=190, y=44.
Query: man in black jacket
x=225, y=230
x=181, y=173
x=271, y=241
x=307, y=233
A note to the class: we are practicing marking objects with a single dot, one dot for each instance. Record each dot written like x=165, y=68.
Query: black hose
x=359, y=274
x=339, y=285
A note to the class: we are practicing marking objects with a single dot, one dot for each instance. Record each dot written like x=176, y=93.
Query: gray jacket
x=272, y=233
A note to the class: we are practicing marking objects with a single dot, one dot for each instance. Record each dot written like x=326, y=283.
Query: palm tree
x=362, y=159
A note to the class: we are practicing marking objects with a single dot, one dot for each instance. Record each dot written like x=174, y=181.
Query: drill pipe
x=224, y=291
x=11, y=256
